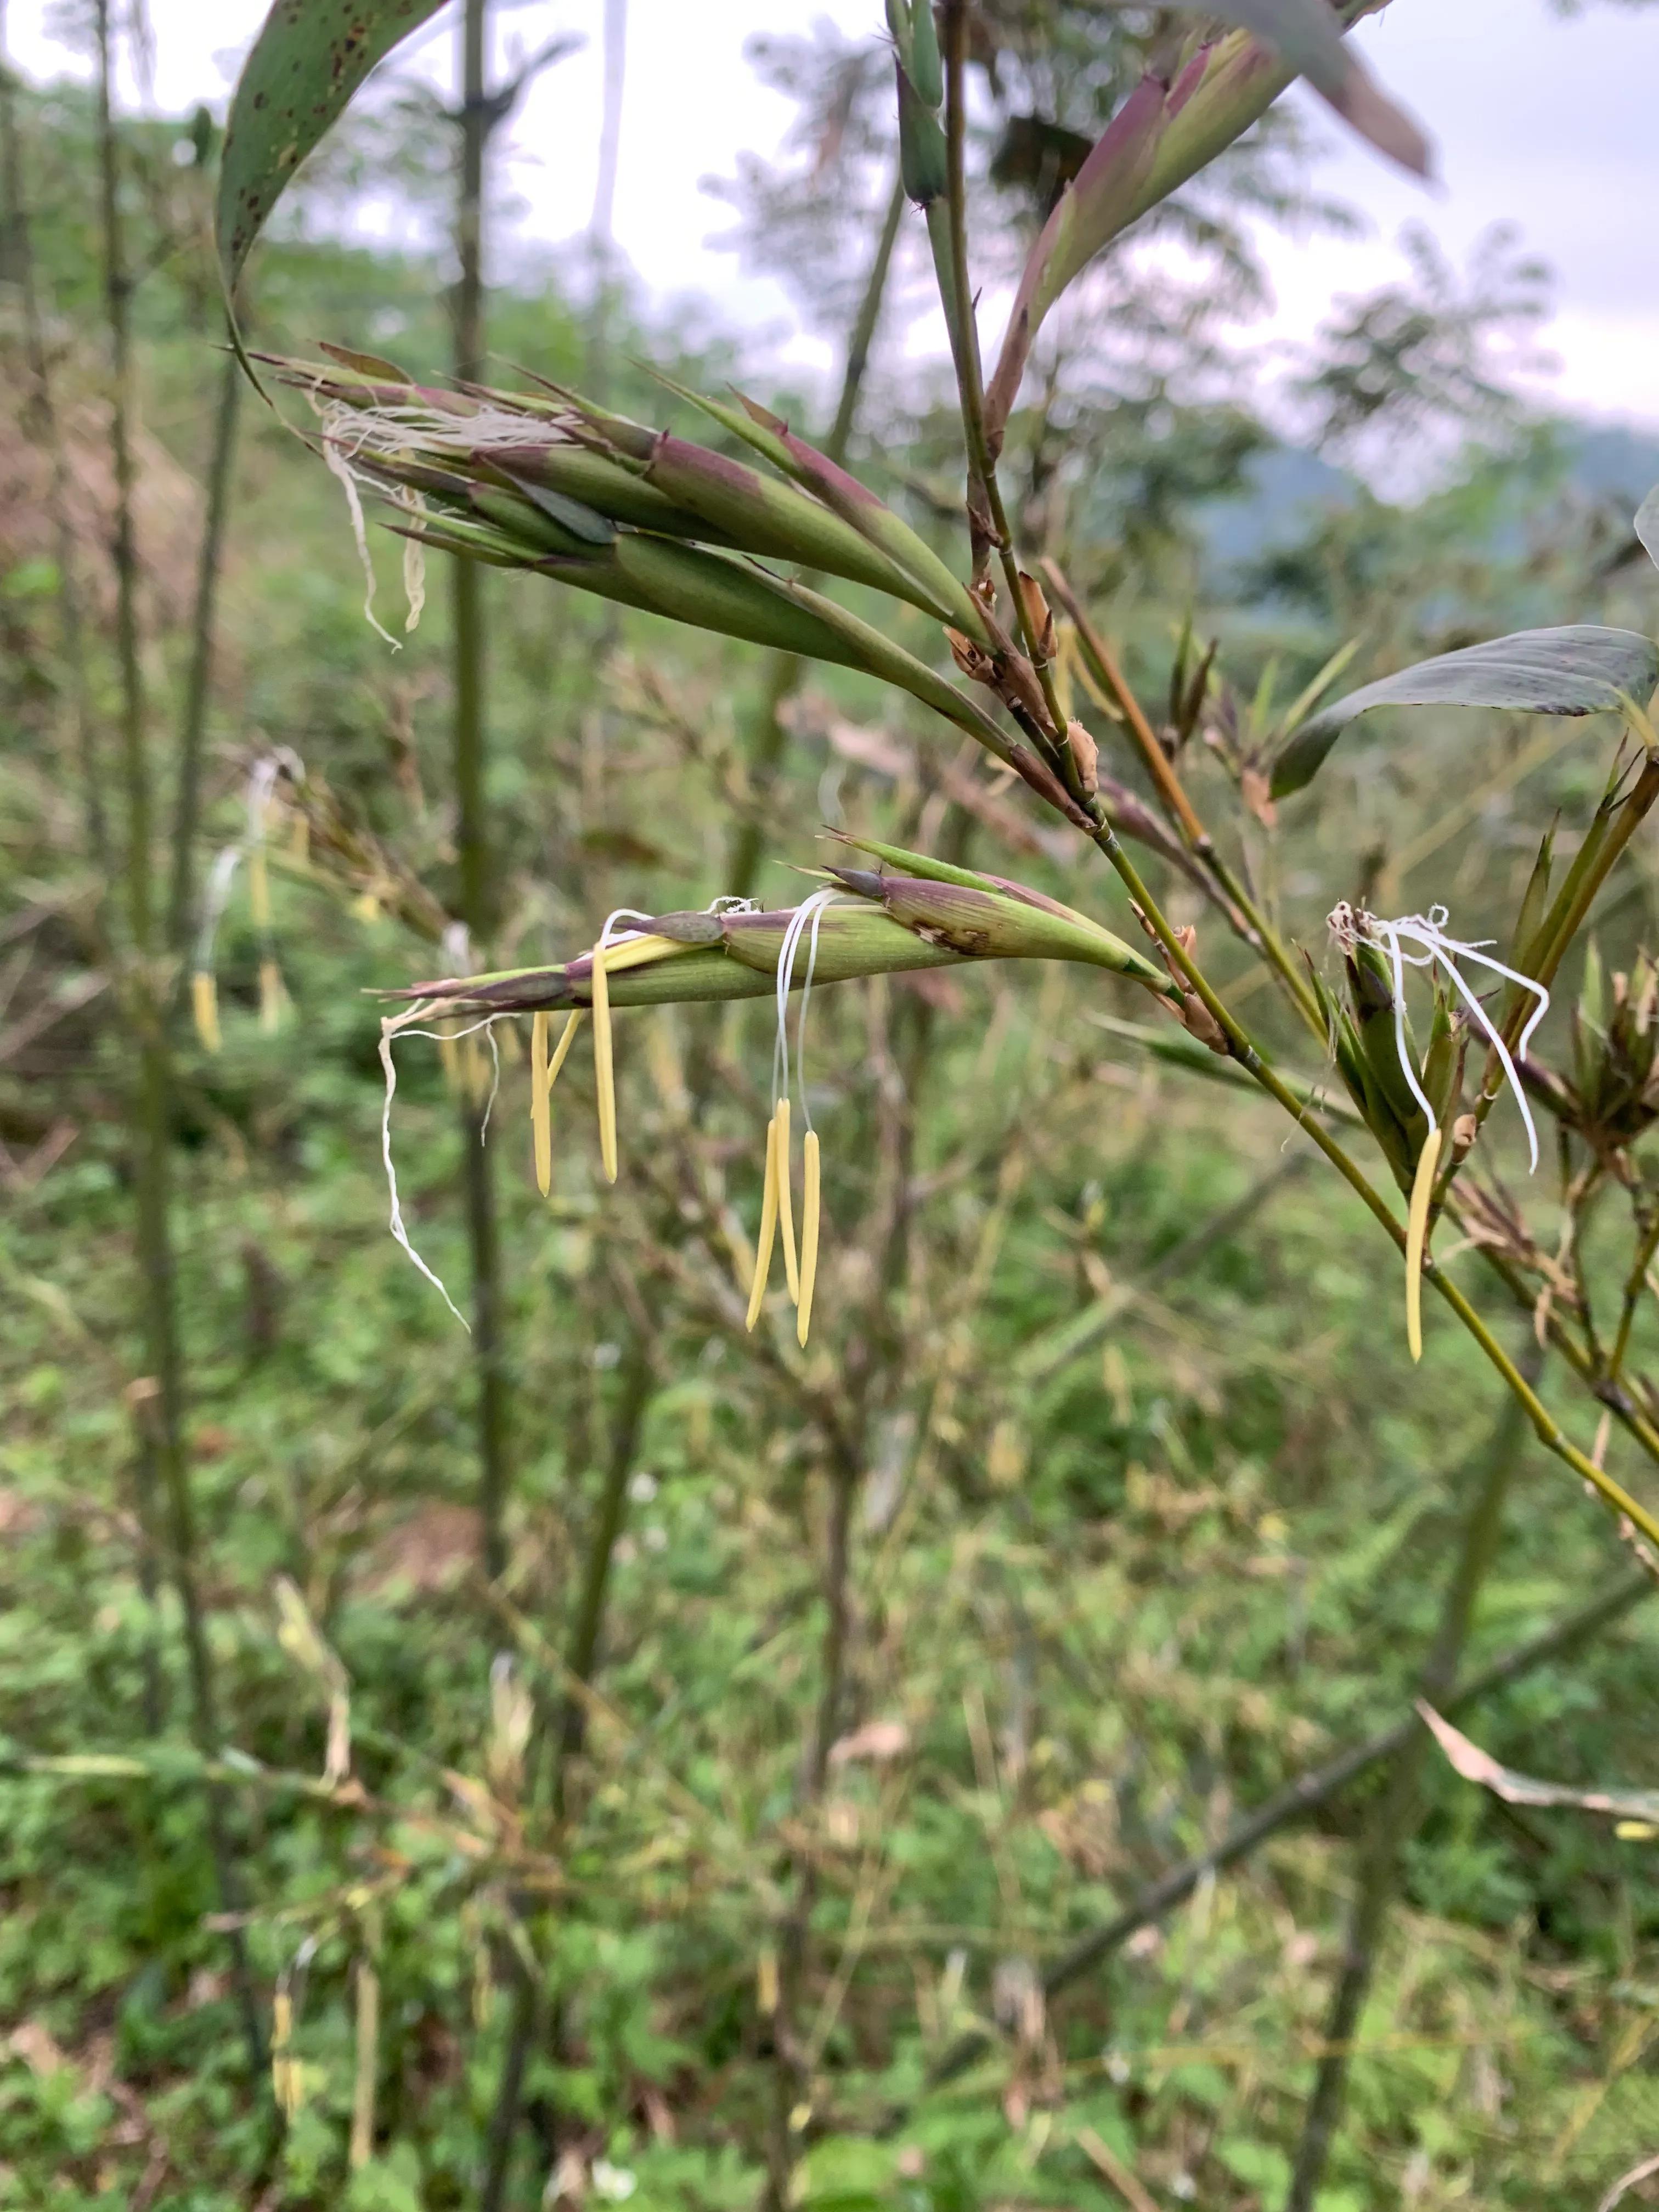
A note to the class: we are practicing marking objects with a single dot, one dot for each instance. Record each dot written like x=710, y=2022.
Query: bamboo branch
x=1394, y=1821
x=153, y=1104
x=1305, y=1795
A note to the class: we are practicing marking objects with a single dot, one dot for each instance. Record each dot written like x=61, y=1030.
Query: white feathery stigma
x=1421, y=940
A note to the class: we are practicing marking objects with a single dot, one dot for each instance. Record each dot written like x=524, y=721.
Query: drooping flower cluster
x=860, y=923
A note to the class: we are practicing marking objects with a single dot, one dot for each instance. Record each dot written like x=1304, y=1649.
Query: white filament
x=394, y=429
x=338, y=466
x=808, y=914
x=402, y=1025
x=1437, y=950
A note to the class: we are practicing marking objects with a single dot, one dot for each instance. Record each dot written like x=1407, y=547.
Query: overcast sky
x=1543, y=121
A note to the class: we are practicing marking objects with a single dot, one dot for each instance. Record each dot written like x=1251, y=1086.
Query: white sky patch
x=1541, y=120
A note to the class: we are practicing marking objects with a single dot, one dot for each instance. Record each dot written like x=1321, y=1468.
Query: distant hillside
x=1285, y=484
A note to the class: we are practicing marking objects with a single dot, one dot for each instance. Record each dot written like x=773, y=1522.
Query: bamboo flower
x=1421, y=940
x=913, y=913
x=643, y=518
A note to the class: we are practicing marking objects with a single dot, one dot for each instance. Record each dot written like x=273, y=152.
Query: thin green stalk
x=1306, y=1795
x=583, y=1651
x=958, y=299
x=1635, y=1283
x=477, y=888
x=1391, y=1826
x=790, y=2078
x=865, y=323
x=528, y=2016
x=187, y=803
x=153, y=1104
x=153, y=1700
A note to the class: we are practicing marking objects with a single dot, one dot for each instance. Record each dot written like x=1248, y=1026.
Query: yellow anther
x=605, y=1073
x=640, y=951
x=286, y=2082
x=541, y=1120
x=272, y=995
x=259, y=889
x=785, y=1203
x=809, y=1236
x=204, y=1005
x=769, y=1225
x=561, y=1050
x=1417, y=1226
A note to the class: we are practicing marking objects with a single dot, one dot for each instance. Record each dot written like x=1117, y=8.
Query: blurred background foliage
x=1151, y=1510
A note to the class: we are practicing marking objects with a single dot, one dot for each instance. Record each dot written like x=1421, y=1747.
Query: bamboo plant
x=1424, y=1032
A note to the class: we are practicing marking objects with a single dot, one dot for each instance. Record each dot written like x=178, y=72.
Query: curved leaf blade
x=1467, y=1758
x=1647, y=525
x=309, y=59
x=1582, y=669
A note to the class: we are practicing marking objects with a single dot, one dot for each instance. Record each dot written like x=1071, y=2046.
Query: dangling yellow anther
x=259, y=889
x=561, y=1050
x=1417, y=1227
x=204, y=1006
x=604, y=1073
x=809, y=1236
x=769, y=1225
x=641, y=951
x=286, y=2082
x=541, y=1119
x=272, y=995
x=785, y=1203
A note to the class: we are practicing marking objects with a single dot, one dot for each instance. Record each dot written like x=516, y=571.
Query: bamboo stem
x=1306, y=1794
x=199, y=685
x=471, y=746
x=580, y=1654
x=152, y=1101
x=950, y=240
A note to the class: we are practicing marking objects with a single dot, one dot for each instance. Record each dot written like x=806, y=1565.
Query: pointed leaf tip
x=1309, y=39
x=1582, y=669
x=1647, y=525
x=308, y=60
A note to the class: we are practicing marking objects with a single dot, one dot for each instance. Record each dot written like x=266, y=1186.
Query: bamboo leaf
x=1579, y=670
x=1477, y=1766
x=1647, y=524
x=1306, y=35
x=309, y=59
